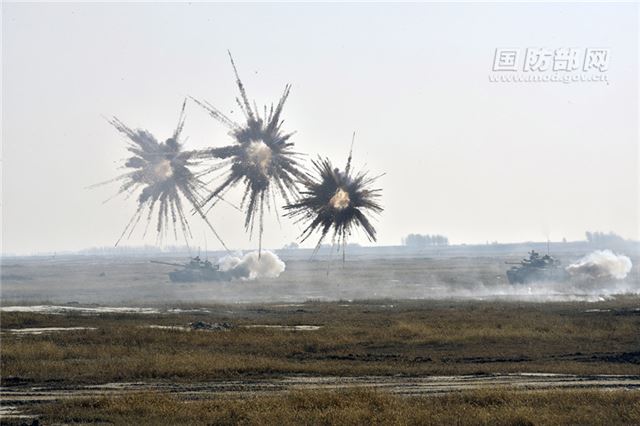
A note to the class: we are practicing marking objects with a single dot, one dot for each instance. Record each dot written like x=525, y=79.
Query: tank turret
x=196, y=270
x=536, y=268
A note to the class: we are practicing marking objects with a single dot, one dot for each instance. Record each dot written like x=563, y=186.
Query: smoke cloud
x=601, y=264
x=253, y=265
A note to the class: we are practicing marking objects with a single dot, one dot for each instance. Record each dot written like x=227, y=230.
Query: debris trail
x=602, y=264
x=161, y=171
x=261, y=158
x=338, y=200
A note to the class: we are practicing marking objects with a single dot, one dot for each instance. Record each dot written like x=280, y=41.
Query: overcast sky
x=465, y=157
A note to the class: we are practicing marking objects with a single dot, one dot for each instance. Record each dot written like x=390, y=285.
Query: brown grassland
x=385, y=338
x=355, y=407
x=410, y=338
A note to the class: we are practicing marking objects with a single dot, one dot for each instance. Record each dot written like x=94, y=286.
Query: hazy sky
x=465, y=157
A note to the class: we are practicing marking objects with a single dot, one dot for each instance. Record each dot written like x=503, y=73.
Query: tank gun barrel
x=166, y=263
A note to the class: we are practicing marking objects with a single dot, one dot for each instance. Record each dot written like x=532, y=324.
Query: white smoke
x=253, y=265
x=602, y=264
x=259, y=155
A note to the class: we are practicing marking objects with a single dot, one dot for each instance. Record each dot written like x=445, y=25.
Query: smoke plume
x=602, y=264
x=253, y=265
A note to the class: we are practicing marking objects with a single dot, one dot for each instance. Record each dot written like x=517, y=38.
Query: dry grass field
x=356, y=407
x=412, y=338
x=361, y=359
x=375, y=338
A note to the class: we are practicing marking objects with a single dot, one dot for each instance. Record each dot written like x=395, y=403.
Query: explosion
x=262, y=160
x=161, y=170
x=261, y=157
x=335, y=199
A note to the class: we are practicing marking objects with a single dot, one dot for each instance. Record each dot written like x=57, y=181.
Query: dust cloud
x=253, y=265
x=602, y=264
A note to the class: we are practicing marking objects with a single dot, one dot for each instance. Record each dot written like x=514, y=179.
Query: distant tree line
x=602, y=238
x=420, y=241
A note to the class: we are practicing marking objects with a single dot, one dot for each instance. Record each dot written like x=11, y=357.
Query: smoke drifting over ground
x=569, y=291
x=602, y=264
x=378, y=275
x=253, y=265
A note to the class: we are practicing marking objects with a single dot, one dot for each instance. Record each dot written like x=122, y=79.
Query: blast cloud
x=601, y=264
x=161, y=171
x=336, y=199
x=261, y=158
x=253, y=265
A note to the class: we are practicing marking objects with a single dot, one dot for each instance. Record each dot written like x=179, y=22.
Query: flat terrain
x=374, y=349
x=462, y=347
x=437, y=273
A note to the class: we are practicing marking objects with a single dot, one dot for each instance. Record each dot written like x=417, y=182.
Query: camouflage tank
x=196, y=270
x=536, y=269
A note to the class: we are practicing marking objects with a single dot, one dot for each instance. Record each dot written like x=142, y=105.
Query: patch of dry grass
x=355, y=407
x=414, y=338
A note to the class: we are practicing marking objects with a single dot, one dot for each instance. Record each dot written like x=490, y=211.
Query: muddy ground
x=73, y=330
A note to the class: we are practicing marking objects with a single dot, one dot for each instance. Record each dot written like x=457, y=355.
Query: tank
x=196, y=270
x=536, y=269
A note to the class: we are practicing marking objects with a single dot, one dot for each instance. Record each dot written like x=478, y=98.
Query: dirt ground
x=462, y=331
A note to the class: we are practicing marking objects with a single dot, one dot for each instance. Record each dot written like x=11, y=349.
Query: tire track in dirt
x=14, y=399
x=394, y=384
